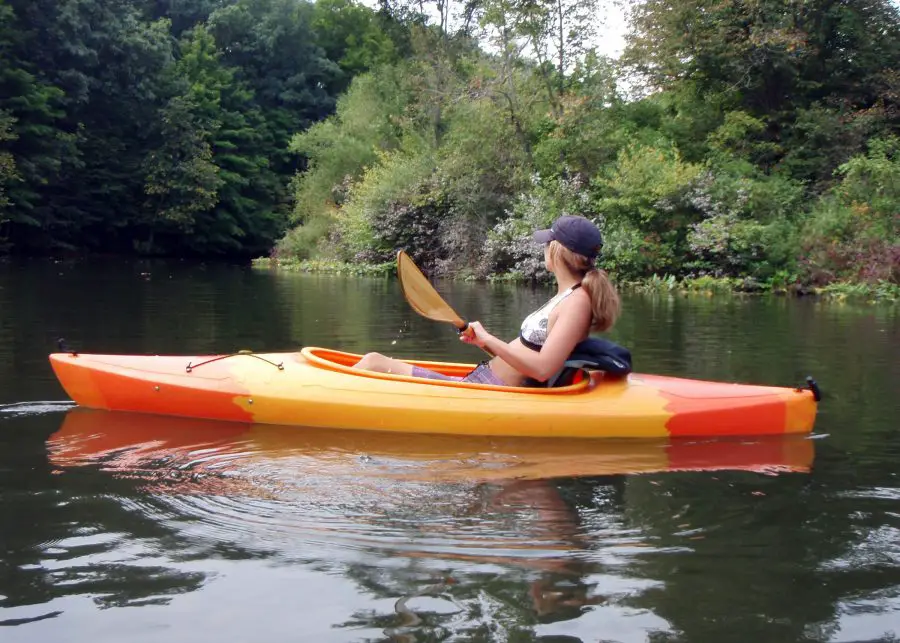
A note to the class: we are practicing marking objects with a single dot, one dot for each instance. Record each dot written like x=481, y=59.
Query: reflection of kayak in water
x=317, y=387
x=120, y=440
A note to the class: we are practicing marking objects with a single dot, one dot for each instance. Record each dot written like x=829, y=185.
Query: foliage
x=396, y=205
x=159, y=127
x=8, y=173
x=338, y=149
x=880, y=291
x=207, y=178
x=749, y=218
x=744, y=145
x=354, y=269
x=645, y=200
x=510, y=249
x=853, y=233
x=182, y=179
x=711, y=178
x=304, y=242
x=353, y=36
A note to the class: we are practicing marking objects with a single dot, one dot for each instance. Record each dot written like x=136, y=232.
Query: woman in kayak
x=585, y=301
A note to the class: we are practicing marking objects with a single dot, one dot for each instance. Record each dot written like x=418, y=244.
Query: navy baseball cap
x=576, y=233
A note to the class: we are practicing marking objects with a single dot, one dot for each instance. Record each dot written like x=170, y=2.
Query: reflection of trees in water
x=748, y=555
x=730, y=556
x=503, y=590
x=49, y=522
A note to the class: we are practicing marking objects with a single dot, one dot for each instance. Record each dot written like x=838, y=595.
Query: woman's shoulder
x=580, y=294
x=578, y=299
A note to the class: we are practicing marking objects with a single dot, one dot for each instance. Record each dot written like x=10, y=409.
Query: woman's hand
x=478, y=335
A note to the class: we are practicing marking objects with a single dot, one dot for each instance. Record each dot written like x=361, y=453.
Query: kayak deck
x=317, y=387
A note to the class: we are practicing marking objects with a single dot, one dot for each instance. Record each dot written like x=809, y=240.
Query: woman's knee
x=373, y=362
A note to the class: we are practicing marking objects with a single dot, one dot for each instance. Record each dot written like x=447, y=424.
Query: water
x=117, y=526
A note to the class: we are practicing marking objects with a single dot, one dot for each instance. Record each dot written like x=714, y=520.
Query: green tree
x=182, y=179
x=558, y=33
x=185, y=15
x=121, y=141
x=33, y=146
x=352, y=35
x=210, y=177
x=801, y=66
x=8, y=172
x=369, y=119
x=107, y=59
x=645, y=200
x=505, y=74
x=853, y=231
x=273, y=50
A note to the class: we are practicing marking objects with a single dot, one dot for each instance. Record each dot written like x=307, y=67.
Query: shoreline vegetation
x=882, y=292
x=731, y=146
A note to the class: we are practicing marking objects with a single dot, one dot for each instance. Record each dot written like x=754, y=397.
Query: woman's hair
x=605, y=303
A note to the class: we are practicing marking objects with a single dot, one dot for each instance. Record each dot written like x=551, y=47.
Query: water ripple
x=311, y=494
x=22, y=409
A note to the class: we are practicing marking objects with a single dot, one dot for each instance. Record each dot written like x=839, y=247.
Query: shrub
x=854, y=231
x=509, y=247
x=645, y=199
x=749, y=224
x=844, y=242
x=337, y=151
x=304, y=241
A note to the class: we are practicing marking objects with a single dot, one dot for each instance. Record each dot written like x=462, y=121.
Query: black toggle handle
x=814, y=387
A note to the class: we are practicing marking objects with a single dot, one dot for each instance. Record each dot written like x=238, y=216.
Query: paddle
x=424, y=299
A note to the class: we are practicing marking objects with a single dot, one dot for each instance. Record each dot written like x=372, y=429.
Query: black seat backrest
x=593, y=354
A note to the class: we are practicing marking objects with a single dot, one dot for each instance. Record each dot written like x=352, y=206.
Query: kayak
x=316, y=387
x=143, y=445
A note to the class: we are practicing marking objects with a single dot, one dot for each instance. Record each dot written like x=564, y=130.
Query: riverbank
x=882, y=292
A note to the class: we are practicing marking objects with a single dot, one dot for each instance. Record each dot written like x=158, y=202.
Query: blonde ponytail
x=605, y=303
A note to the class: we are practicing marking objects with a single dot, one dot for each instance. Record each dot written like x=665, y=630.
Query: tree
x=498, y=20
x=210, y=177
x=8, y=172
x=558, y=33
x=185, y=15
x=352, y=35
x=773, y=56
x=33, y=146
x=107, y=61
x=810, y=70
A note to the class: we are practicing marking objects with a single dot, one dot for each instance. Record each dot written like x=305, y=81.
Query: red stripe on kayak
x=124, y=393
x=734, y=416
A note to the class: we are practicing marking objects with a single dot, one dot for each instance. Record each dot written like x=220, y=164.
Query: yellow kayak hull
x=317, y=387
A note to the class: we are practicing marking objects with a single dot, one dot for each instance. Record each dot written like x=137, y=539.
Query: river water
x=123, y=527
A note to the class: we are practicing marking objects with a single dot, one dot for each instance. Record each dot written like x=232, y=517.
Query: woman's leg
x=382, y=364
x=482, y=374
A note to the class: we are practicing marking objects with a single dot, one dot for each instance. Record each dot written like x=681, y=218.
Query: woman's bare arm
x=573, y=319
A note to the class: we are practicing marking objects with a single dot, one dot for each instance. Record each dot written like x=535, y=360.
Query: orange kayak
x=316, y=387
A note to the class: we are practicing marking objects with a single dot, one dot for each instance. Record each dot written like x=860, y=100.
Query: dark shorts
x=481, y=374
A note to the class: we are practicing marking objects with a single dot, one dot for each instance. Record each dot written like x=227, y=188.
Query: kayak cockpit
x=342, y=362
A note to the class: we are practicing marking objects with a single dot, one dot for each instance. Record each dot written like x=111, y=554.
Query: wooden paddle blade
x=422, y=296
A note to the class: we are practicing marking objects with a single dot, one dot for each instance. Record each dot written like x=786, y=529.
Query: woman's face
x=547, y=260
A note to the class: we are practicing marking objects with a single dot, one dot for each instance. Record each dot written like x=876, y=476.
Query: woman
x=585, y=301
